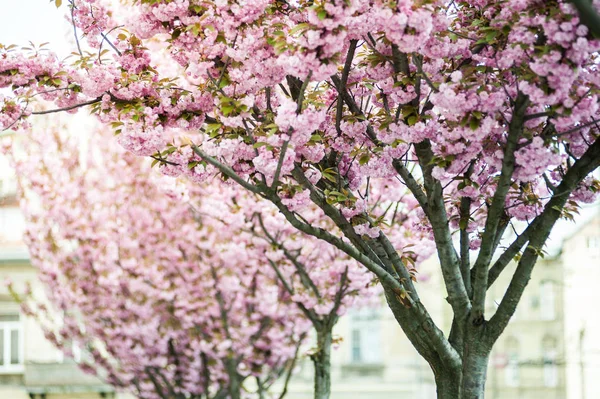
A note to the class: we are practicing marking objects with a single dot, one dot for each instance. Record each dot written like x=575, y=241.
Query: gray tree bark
x=322, y=363
x=468, y=383
x=474, y=371
x=447, y=384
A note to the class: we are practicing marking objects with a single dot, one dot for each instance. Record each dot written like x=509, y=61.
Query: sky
x=40, y=21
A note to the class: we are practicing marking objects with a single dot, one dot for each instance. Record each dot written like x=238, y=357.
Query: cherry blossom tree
x=484, y=111
x=173, y=297
x=167, y=304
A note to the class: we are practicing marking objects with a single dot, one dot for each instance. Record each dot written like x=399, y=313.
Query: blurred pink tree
x=172, y=297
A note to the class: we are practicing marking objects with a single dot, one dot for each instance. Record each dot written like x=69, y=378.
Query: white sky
x=38, y=21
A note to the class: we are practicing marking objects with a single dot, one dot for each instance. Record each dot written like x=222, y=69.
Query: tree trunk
x=447, y=385
x=235, y=385
x=474, y=372
x=468, y=383
x=235, y=389
x=322, y=362
x=474, y=377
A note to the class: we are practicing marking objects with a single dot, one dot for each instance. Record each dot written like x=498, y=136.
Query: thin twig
x=51, y=111
x=75, y=27
x=104, y=38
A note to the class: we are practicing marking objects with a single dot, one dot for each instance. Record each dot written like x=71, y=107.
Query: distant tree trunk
x=322, y=363
x=235, y=389
x=260, y=389
x=235, y=385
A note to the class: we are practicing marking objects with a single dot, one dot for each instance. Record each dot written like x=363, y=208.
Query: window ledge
x=14, y=369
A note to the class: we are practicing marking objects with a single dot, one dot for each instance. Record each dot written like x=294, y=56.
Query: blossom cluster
x=418, y=72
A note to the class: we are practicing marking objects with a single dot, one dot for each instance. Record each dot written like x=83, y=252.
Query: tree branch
x=588, y=15
x=480, y=281
x=339, y=295
x=342, y=84
x=304, y=277
x=299, y=100
x=226, y=170
x=340, y=221
x=400, y=61
x=51, y=111
x=510, y=253
x=412, y=314
x=436, y=213
x=75, y=28
x=157, y=387
x=589, y=161
x=386, y=279
x=288, y=377
x=409, y=180
x=465, y=262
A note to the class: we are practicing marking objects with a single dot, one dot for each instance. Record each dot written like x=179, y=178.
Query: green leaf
x=364, y=159
x=224, y=81
x=300, y=27
x=464, y=121
x=491, y=35
x=227, y=109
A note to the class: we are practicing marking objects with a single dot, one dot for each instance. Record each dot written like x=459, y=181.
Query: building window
x=365, y=336
x=74, y=352
x=76, y=349
x=511, y=372
x=547, y=301
x=11, y=344
x=593, y=245
x=356, y=345
x=549, y=356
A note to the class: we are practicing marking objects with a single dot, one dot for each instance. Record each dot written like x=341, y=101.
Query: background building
x=528, y=360
x=581, y=282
